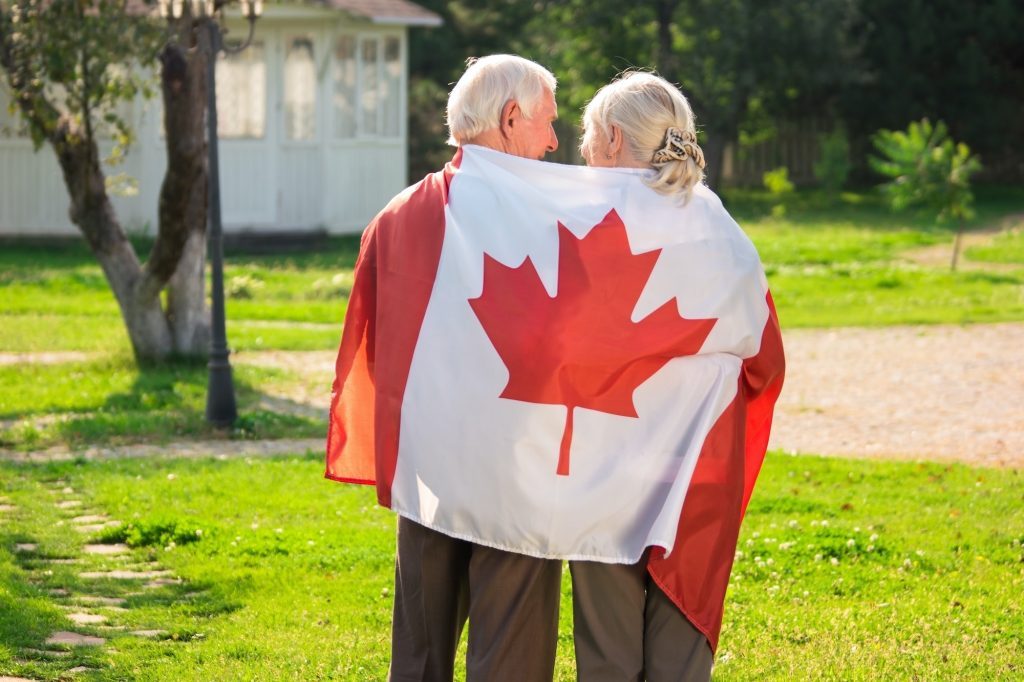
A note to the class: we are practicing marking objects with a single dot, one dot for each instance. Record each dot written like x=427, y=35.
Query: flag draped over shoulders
x=561, y=362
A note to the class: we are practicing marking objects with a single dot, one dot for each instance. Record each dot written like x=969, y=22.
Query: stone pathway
x=93, y=617
x=222, y=449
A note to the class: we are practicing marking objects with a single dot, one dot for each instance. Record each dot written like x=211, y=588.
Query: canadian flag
x=560, y=362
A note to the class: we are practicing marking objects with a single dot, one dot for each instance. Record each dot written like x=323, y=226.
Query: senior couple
x=626, y=627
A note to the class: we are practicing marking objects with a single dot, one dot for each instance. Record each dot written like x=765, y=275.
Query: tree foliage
x=70, y=67
x=928, y=170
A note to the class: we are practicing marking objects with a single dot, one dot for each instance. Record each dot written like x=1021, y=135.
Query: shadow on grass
x=115, y=402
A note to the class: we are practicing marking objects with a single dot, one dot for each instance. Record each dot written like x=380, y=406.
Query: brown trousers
x=626, y=629
x=511, y=602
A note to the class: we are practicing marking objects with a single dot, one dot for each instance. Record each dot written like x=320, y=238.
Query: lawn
x=110, y=401
x=846, y=570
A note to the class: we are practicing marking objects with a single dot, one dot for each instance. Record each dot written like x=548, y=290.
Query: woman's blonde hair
x=475, y=103
x=658, y=126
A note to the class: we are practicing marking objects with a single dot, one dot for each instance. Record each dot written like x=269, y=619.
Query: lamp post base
x=221, y=410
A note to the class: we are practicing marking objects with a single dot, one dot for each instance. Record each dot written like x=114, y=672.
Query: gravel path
x=938, y=393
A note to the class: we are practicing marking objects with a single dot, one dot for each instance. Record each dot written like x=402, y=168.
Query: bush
x=833, y=167
x=779, y=186
x=929, y=171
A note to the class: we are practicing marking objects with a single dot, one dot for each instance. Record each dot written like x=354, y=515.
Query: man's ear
x=510, y=114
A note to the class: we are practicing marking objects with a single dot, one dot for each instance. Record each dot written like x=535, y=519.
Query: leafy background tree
x=69, y=67
x=928, y=171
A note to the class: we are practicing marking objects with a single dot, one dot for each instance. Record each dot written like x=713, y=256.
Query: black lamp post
x=220, y=390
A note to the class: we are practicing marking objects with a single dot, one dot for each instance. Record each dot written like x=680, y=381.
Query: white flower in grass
x=919, y=552
x=310, y=543
x=834, y=561
x=870, y=548
x=254, y=526
x=755, y=534
x=818, y=557
x=874, y=536
x=770, y=562
x=908, y=564
x=824, y=523
x=851, y=543
x=279, y=530
x=793, y=523
x=171, y=477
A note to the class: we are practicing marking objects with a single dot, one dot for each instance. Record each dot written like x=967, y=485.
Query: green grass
x=56, y=299
x=843, y=264
x=847, y=570
x=110, y=401
x=1007, y=247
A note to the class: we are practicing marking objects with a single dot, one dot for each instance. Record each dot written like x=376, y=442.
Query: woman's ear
x=614, y=140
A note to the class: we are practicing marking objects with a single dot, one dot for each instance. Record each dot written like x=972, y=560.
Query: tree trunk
x=186, y=300
x=956, y=245
x=92, y=212
x=183, y=201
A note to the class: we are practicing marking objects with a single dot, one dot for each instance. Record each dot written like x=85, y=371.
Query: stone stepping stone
x=123, y=575
x=7, y=507
x=69, y=504
x=148, y=633
x=61, y=562
x=26, y=547
x=59, y=592
x=106, y=549
x=91, y=518
x=86, y=618
x=46, y=653
x=103, y=601
x=7, y=678
x=96, y=527
x=162, y=582
x=80, y=669
x=74, y=639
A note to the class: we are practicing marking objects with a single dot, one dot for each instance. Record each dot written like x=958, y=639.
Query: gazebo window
x=368, y=101
x=345, y=86
x=391, y=86
x=300, y=90
x=367, y=73
x=242, y=93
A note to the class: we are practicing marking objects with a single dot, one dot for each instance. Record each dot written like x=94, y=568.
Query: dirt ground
x=940, y=393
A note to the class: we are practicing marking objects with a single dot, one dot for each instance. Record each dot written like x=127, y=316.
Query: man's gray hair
x=476, y=101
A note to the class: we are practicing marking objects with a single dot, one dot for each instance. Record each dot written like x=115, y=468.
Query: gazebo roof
x=388, y=11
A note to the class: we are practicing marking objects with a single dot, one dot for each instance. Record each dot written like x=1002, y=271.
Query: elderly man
x=505, y=103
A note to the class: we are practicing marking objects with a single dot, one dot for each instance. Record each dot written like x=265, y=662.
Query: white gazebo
x=312, y=121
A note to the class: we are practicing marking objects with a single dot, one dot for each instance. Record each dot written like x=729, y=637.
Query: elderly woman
x=626, y=628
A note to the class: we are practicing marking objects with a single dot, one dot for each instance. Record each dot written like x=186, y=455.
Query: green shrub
x=151, y=534
x=779, y=186
x=833, y=166
x=928, y=170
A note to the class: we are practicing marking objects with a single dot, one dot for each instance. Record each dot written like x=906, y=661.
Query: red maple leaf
x=580, y=348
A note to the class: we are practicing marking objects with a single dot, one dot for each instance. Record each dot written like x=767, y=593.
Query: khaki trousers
x=511, y=601
x=626, y=629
